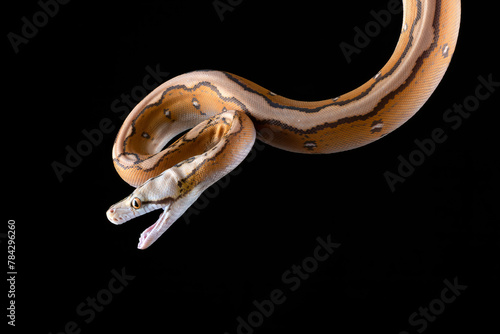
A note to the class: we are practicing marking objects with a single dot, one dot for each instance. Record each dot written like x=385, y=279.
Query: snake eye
x=136, y=203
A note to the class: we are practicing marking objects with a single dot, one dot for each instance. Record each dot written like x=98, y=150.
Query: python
x=227, y=113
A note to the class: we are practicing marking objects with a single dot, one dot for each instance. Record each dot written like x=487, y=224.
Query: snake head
x=131, y=207
x=160, y=192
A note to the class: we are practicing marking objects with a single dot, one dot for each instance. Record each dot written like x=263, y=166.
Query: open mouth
x=119, y=215
x=154, y=231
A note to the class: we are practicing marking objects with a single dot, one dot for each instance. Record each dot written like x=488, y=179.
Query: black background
x=396, y=249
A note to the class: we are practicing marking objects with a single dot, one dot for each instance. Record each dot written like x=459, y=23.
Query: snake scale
x=227, y=113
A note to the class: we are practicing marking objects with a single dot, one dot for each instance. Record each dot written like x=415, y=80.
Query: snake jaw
x=152, y=233
x=119, y=214
x=171, y=212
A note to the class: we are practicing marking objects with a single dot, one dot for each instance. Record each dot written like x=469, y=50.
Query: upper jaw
x=118, y=215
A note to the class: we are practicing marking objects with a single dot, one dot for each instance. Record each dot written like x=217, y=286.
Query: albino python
x=226, y=113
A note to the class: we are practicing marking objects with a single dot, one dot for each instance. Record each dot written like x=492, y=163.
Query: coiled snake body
x=226, y=113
